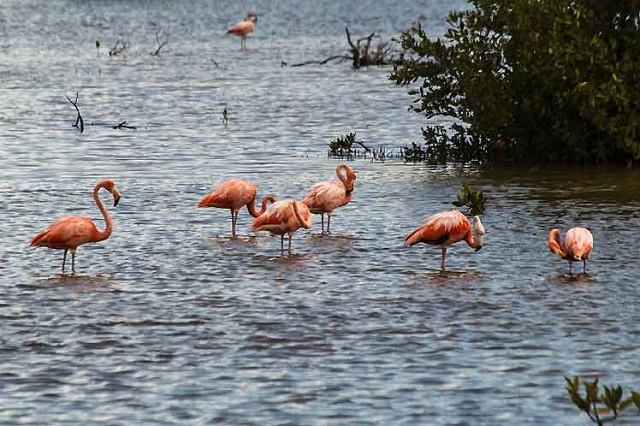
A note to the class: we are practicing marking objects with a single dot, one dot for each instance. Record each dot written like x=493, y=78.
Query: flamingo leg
x=584, y=266
x=282, y=245
x=444, y=256
x=64, y=260
x=233, y=223
x=322, y=216
x=289, y=244
x=570, y=263
x=328, y=223
x=73, y=261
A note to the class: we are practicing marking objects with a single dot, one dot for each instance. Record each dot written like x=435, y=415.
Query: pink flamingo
x=233, y=195
x=325, y=197
x=243, y=28
x=447, y=228
x=284, y=217
x=67, y=233
x=576, y=245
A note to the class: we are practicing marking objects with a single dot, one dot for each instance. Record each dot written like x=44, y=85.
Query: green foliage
x=600, y=407
x=474, y=201
x=548, y=81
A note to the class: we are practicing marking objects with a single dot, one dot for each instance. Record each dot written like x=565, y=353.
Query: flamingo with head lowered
x=233, y=195
x=284, y=217
x=244, y=28
x=445, y=229
x=325, y=197
x=68, y=233
x=576, y=245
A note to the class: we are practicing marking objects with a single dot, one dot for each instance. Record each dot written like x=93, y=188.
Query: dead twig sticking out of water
x=79, y=121
x=119, y=47
x=160, y=45
x=124, y=125
x=361, y=53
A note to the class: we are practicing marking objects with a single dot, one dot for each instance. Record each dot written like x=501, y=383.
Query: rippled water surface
x=170, y=321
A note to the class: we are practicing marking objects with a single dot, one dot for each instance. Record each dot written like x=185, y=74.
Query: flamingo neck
x=102, y=235
x=302, y=222
x=343, y=175
x=555, y=244
x=252, y=208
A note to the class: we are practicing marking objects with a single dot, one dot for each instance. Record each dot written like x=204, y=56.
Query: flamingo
x=447, y=228
x=243, y=28
x=67, y=233
x=325, y=197
x=233, y=195
x=284, y=217
x=576, y=245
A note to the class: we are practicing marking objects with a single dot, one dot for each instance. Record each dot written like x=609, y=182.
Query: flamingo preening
x=447, y=228
x=576, y=245
x=233, y=195
x=325, y=197
x=283, y=217
x=67, y=233
x=244, y=28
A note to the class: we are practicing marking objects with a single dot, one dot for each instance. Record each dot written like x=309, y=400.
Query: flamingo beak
x=116, y=197
x=478, y=248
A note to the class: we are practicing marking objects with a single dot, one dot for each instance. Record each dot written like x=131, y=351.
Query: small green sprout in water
x=600, y=408
x=225, y=116
x=474, y=201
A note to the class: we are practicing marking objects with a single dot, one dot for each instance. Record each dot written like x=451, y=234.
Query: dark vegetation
x=474, y=201
x=360, y=53
x=601, y=407
x=531, y=82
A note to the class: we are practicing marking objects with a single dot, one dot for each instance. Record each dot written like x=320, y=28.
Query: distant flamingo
x=325, y=197
x=284, y=217
x=576, y=245
x=243, y=28
x=67, y=233
x=447, y=228
x=233, y=195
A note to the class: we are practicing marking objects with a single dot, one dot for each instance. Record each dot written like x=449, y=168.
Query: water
x=171, y=322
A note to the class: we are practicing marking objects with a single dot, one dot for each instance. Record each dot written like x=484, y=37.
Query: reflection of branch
x=160, y=44
x=117, y=50
x=124, y=125
x=330, y=58
x=79, y=121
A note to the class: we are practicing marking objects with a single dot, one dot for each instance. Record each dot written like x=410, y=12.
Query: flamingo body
x=576, y=245
x=233, y=195
x=68, y=233
x=445, y=229
x=244, y=28
x=325, y=197
x=282, y=218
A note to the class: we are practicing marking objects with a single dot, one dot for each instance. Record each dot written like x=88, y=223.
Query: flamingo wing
x=242, y=28
x=275, y=219
x=232, y=194
x=67, y=233
x=440, y=229
x=325, y=197
x=578, y=243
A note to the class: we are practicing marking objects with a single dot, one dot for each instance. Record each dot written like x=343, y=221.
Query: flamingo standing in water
x=67, y=233
x=284, y=217
x=243, y=28
x=576, y=245
x=447, y=228
x=233, y=195
x=325, y=197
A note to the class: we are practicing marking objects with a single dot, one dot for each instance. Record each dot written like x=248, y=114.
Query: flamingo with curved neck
x=233, y=195
x=445, y=229
x=325, y=197
x=576, y=245
x=70, y=232
x=284, y=218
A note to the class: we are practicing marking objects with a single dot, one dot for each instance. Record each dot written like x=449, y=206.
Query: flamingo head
x=110, y=186
x=348, y=177
x=251, y=17
x=478, y=233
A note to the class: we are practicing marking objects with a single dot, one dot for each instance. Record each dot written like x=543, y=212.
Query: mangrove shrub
x=545, y=81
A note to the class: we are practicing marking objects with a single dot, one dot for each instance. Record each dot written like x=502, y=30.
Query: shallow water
x=170, y=321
